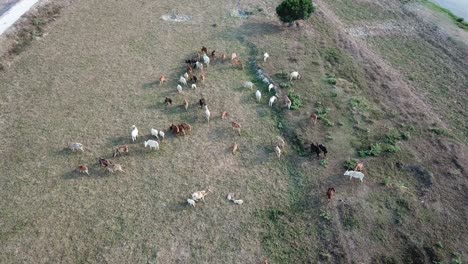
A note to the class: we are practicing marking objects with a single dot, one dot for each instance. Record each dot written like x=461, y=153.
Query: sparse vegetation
x=296, y=100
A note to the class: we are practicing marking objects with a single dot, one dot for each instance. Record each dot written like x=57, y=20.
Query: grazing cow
x=134, y=133
x=236, y=126
x=238, y=63
x=185, y=104
x=199, y=65
x=104, y=162
x=162, y=79
x=186, y=127
x=271, y=86
x=194, y=86
x=168, y=101
x=359, y=166
x=288, y=102
x=189, y=69
x=115, y=168
x=182, y=80
x=224, y=115
x=248, y=85
x=83, y=169
x=213, y=56
x=354, y=174
x=191, y=202
x=193, y=78
x=272, y=100
x=206, y=60
x=75, y=147
x=233, y=56
x=204, y=49
x=223, y=56
x=202, y=77
x=294, y=75
x=207, y=113
x=152, y=144
x=120, y=150
x=313, y=118
x=315, y=149
x=235, y=147
x=323, y=149
x=179, y=88
x=265, y=56
x=202, y=102
x=258, y=95
x=330, y=193
x=281, y=142
x=278, y=152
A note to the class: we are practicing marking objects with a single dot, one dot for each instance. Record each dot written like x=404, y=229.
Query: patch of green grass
x=350, y=221
x=440, y=131
x=374, y=150
x=324, y=163
x=325, y=216
x=330, y=79
x=322, y=113
x=332, y=55
x=350, y=164
x=296, y=100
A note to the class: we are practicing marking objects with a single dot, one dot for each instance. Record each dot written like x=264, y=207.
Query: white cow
x=153, y=144
x=354, y=174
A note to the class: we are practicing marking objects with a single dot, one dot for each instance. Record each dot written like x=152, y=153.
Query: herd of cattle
x=200, y=61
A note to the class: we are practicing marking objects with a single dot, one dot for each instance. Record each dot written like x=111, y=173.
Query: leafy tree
x=291, y=10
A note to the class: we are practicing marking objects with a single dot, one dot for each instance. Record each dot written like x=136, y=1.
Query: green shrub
x=332, y=55
x=330, y=79
x=324, y=163
x=296, y=100
x=292, y=10
x=375, y=150
x=350, y=164
x=284, y=85
x=391, y=148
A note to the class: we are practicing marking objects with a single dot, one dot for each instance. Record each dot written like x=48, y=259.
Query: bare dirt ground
x=90, y=74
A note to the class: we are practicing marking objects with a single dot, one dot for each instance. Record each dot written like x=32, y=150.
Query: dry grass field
x=92, y=73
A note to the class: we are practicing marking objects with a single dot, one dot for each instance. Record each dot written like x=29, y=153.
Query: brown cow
x=235, y=147
x=120, y=150
x=224, y=115
x=330, y=193
x=204, y=49
x=236, y=126
x=359, y=166
x=104, y=162
x=162, y=79
x=83, y=169
x=313, y=118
